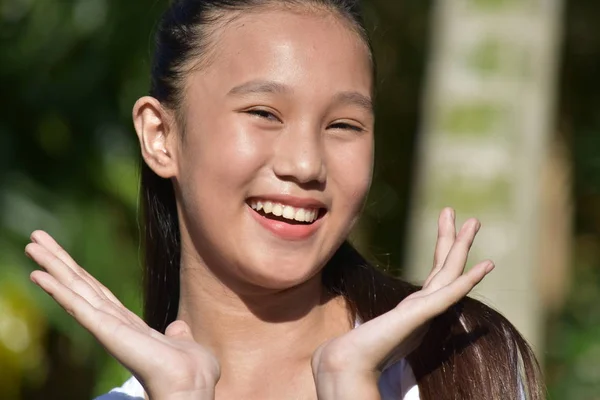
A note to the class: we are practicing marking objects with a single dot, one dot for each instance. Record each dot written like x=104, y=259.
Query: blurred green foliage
x=70, y=72
x=573, y=345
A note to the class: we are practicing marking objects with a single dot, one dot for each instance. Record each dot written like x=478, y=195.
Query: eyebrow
x=355, y=98
x=259, y=86
x=264, y=86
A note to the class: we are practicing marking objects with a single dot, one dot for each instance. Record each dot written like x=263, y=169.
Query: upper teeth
x=285, y=211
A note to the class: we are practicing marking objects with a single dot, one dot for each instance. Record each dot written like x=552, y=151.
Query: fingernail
x=489, y=267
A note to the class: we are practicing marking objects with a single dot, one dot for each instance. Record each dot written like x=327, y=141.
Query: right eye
x=261, y=113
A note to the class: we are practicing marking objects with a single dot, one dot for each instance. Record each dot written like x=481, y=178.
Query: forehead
x=310, y=51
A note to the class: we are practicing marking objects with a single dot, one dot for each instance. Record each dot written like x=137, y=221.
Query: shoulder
x=131, y=390
x=398, y=382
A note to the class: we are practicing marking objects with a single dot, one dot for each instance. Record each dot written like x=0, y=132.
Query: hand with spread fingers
x=348, y=367
x=170, y=365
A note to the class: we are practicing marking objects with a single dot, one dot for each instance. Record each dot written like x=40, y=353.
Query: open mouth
x=286, y=213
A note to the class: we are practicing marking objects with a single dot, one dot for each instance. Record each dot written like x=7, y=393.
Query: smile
x=287, y=217
x=287, y=212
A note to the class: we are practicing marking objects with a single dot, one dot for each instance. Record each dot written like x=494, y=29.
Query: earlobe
x=155, y=130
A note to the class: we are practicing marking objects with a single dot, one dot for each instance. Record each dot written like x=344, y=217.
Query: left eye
x=346, y=126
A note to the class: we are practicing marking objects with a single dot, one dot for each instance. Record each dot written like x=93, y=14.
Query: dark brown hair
x=469, y=352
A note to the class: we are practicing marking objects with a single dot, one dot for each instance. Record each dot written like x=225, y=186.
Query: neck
x=253, y=329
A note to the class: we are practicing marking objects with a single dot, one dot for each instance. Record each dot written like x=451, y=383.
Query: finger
x=378, y=337
x=445, y=240
x=44, y=239
x=389, y=335
x=180, y=330
x=457, y=257
x=62, y=273
x=125, y=342
x=440, y=300
x=82, y=287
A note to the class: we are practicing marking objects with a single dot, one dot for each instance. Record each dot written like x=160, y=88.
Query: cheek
x=225, y=154
x=351, y=168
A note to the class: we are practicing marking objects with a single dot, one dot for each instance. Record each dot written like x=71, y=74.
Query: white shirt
x=396, y=382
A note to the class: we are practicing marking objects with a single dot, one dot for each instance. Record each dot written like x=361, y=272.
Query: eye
x=346, y=126
x=258, y=112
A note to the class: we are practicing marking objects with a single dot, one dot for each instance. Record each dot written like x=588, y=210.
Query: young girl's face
x=280, y=120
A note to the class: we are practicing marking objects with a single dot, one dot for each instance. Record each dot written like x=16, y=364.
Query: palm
x=396, y=333
x=171, y=362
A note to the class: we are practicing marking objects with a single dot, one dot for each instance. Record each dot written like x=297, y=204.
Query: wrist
x=347, y=386
x=199, y=394
x=200, y=388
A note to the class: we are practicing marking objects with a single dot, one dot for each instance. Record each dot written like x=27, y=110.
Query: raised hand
x=348, y=367
x=169, y=366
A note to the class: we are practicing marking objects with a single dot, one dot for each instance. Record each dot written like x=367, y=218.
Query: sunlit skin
x=278, y=112
x=283, y=109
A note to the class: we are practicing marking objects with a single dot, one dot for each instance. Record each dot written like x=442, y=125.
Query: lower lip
x=284, y=230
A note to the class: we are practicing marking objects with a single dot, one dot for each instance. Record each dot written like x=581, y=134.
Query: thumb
x=179, y=330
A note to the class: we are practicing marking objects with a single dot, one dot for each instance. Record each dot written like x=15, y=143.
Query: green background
x=70, y=72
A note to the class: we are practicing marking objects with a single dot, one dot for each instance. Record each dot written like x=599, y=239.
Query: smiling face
x=277, y=154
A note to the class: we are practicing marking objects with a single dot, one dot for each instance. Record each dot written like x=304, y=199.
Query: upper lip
x=294, y=201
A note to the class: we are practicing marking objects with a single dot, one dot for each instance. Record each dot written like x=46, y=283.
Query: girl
x=257, y=143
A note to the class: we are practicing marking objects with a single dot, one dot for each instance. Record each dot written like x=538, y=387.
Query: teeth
x=268, y=207
x=300, y=215
x=288, y=212
x=310, y=216
x=277, y=210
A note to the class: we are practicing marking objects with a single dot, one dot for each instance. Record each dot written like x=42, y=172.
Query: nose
x=299, y=156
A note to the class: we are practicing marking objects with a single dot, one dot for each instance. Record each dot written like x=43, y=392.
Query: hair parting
x=470, y=351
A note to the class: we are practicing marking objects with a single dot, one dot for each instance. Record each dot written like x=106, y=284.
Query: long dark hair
x=469, y=352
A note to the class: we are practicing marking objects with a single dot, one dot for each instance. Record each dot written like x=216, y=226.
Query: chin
x=280, y=274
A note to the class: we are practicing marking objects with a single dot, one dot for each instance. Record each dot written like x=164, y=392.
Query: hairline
x=222, y=20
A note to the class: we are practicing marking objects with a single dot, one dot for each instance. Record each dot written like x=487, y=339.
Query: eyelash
x=345, y=126
x=263, y=114
x=270, y=116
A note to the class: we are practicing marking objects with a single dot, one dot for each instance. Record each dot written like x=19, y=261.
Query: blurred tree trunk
x=556, y=228
x=487, y=129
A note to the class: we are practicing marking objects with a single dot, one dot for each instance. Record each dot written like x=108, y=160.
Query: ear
x=156, y=131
